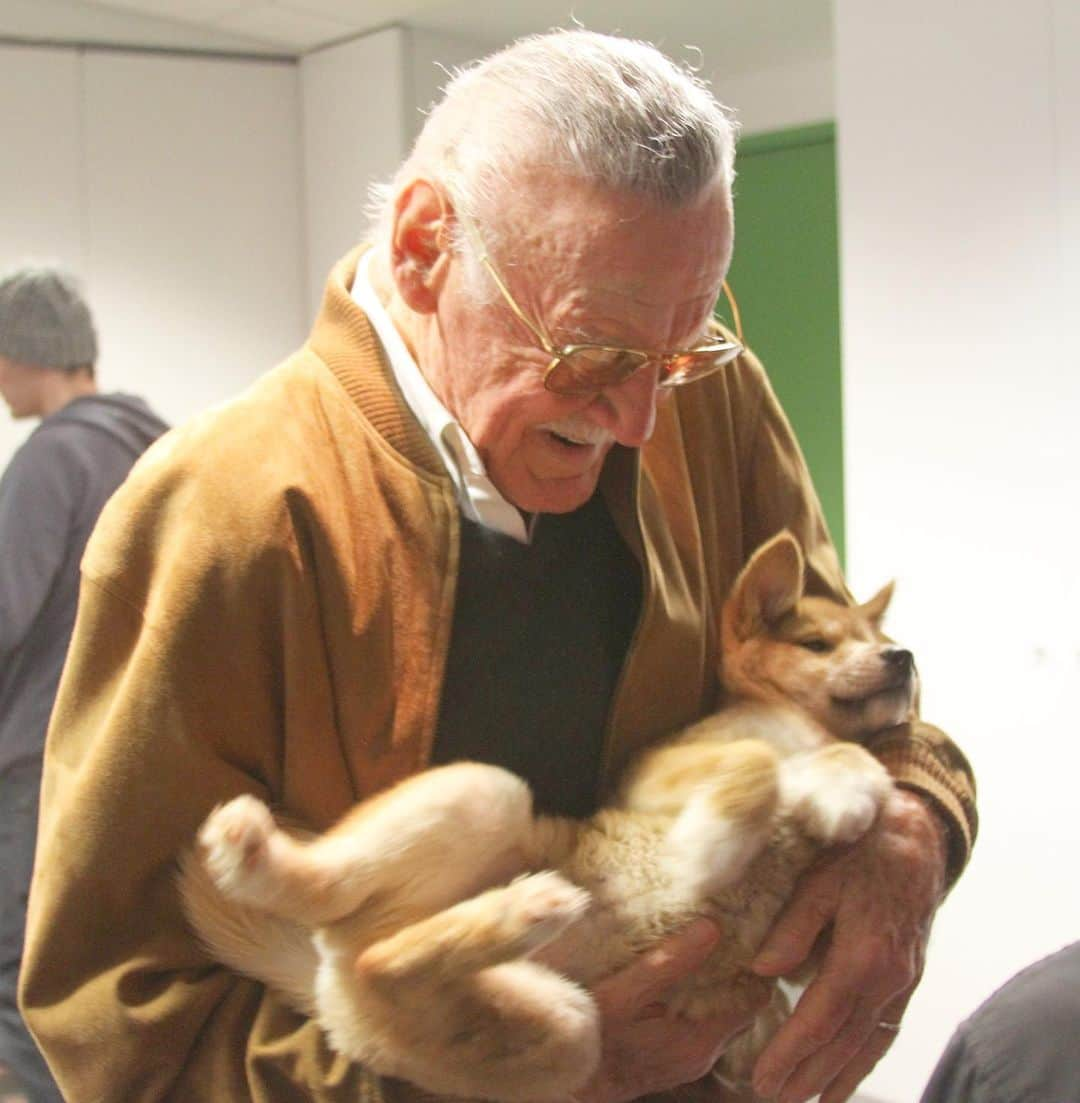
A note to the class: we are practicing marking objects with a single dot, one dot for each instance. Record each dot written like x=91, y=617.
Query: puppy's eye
x=816, y=643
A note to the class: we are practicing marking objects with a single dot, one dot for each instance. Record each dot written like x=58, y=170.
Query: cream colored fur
x=444, y=934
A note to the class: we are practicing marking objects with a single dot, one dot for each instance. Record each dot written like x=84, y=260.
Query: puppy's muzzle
x=899, y=661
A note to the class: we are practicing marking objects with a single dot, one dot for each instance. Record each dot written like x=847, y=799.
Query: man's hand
x=874, y=902
x=645, y=1049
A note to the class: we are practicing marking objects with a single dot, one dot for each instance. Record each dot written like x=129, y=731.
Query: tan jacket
x=266, y=607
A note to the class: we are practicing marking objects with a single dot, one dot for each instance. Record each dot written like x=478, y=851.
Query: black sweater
x=539, y=637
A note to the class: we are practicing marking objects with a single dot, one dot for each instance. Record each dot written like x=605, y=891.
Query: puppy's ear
x=418, y=245
x=767, y=589
x=874, y=609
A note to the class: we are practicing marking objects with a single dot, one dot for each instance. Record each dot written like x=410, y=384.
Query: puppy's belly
x=636, y=904
x=633, y=901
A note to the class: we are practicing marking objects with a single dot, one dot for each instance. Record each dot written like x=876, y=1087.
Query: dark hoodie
x=50, y=497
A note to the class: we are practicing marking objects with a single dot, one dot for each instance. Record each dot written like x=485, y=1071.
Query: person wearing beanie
x=50, y=496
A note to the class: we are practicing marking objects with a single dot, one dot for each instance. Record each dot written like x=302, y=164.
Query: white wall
x=171, y=184
x=430, y=59
x=959, y=161
x=364, y=102
x=355, y=99
x=40, y=191
x=798, y=93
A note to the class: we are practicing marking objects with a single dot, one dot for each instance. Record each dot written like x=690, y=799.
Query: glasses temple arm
x=735, y=316
x=475, y=240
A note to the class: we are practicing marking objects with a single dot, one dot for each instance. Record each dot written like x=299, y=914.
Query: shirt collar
x=477, y=495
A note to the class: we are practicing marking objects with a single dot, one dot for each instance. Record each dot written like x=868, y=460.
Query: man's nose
x=629, y=407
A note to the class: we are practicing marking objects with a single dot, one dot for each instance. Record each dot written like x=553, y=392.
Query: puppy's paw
x=835, y=817
x=540, y=907
x=234, y=844
x=835, y=794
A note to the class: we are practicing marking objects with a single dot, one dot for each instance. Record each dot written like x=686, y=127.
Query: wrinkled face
x=21, y=388
x=587, y=265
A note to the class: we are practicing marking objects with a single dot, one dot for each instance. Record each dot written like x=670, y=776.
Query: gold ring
x=892, y=1028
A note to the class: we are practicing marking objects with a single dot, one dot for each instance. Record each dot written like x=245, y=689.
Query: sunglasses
x=586, y=369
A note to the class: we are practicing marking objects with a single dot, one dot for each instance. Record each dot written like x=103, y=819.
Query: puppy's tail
x=265, y=947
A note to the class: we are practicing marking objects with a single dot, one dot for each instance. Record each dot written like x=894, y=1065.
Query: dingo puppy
x=443, y=934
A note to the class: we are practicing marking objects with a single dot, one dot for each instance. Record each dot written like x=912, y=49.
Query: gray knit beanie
x=44, y=320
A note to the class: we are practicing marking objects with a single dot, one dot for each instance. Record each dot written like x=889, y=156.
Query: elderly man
x=489, y=510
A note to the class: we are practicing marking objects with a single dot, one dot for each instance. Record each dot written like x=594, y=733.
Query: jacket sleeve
x=190, y=672
x=38, y=495
x=779, y=493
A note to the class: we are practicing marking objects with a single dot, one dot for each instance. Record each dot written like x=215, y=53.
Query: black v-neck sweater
x=539, y=636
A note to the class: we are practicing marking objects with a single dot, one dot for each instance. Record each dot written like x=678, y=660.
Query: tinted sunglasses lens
x=586, y=370
x=696, y=364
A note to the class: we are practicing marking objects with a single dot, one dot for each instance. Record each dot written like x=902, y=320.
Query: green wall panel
x=785, y=276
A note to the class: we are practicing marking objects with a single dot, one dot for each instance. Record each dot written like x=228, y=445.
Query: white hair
x=608, y=110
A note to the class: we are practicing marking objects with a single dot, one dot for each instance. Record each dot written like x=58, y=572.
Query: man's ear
x=419, y=245
x=767, y=589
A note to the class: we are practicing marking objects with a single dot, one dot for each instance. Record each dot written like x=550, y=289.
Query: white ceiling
x=753, y=32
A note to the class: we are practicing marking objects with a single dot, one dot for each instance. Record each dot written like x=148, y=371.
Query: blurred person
x=1020, y=1045
x=489, y=510
x=50, y=496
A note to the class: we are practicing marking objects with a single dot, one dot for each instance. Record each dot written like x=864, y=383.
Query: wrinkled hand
x=645, y=1049
x=874, y=902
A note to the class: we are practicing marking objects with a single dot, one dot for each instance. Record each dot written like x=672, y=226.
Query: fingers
x=844, y=1086
x=819, y=1019
x=832, y=1041
x=800, y=925
x=833, y=1033
x=653, y=1055
x=875, y=902
x=812, y=1065
x=697, y=1046
x=646, y=1050
x=647, y=980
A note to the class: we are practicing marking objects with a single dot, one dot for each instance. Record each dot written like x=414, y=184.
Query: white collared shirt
x=477, y=496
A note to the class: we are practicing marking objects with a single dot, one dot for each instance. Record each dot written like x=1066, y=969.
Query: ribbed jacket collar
x=344, y=340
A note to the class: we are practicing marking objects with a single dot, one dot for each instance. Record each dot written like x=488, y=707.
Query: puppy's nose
x=899, y=659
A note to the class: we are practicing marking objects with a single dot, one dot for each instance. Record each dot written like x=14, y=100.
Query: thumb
x=648, y=979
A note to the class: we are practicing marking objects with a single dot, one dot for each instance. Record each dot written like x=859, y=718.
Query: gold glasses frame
x=583, y=369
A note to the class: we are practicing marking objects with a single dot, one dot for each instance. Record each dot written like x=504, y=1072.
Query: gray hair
x=607, y=110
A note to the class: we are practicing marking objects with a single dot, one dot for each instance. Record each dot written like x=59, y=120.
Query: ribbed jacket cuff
x=911, y=756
